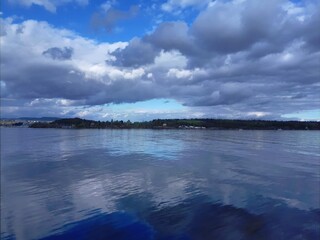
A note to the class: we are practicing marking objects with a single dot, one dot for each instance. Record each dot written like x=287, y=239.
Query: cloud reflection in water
x=163, y=184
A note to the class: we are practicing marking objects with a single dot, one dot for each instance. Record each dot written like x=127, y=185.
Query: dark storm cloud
x=235, y=28
x=227, y=95
x=168, y=36
x=137, y=53
x=125, y=92
x=171, y=35
x=311, y=34
x=48, y=81
x=108, y=20
x=59, y=53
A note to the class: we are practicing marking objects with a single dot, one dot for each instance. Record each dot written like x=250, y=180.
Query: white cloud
x=107, y=5
x=89, y=56
x=170, y=59
x=258, y=114
x=86, y=65
x=173, y=72
x=134, y=73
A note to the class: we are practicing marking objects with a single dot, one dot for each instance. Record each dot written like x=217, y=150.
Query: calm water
x=159, y=184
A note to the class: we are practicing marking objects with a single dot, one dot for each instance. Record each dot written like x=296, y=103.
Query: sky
x=141, y=60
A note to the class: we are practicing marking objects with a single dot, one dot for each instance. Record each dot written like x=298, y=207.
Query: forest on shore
x=218, y=124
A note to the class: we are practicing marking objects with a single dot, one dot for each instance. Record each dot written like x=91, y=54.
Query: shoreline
x=169, y=124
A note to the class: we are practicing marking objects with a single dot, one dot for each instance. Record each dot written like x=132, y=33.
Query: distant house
x=164, y=125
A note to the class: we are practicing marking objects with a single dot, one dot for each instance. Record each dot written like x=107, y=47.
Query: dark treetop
x=79, y=123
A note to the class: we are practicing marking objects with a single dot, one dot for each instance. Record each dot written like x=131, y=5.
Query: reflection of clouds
x=103, y=192
x=195, y=218
x=90, y=194
x=158, y=143
x=63, y=175
x=151, y=142
x=173, y=193
x=28, y=214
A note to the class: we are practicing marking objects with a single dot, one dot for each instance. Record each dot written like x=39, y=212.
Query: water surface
x=159, y=184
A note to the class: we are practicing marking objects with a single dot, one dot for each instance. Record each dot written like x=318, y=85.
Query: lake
x=159, y=184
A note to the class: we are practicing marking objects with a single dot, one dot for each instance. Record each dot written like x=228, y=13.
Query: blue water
x=159, y=184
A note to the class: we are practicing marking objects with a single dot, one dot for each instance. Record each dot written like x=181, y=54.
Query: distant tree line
x=79, y=123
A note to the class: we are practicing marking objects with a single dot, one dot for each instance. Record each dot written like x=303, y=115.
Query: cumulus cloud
x=264, y=46
x=256, y=28
x=236, y=59
x=50, y=5
x=234, y=27
x=29, y=73
x=168, y=36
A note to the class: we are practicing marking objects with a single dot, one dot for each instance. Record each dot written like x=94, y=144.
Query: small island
x=214, y=124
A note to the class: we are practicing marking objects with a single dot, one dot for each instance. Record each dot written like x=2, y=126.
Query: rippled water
x=159, y=184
